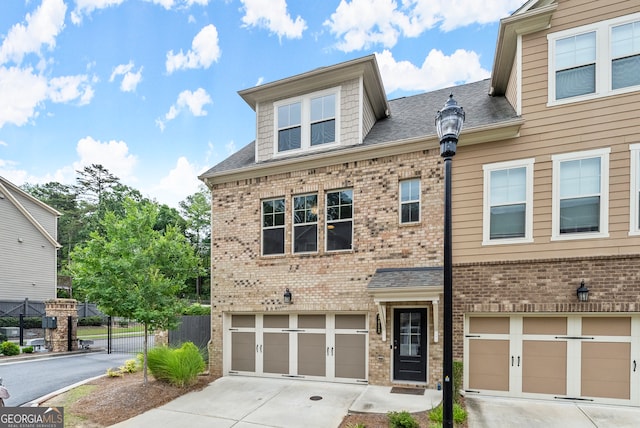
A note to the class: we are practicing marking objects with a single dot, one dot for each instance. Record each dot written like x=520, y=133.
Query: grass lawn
x=101, y=332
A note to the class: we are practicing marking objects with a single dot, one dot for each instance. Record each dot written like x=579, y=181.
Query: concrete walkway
x=251, y=402
x=496, y=412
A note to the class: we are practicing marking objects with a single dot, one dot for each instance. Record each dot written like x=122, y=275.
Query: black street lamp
x=449, y=122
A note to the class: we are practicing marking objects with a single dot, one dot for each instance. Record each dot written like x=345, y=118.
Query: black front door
x=410, y=344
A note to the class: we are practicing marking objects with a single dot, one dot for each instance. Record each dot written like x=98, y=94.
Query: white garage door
x=581, y=357
x=310, y=346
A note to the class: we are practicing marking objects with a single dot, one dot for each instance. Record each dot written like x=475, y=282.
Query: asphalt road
x=28, y=380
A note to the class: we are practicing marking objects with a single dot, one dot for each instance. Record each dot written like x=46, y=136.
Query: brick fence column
x=57, y=338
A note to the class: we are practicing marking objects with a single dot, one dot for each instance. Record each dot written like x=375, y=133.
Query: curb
x=37, y=401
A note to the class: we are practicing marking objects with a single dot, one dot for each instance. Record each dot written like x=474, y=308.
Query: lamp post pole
x=448, y=124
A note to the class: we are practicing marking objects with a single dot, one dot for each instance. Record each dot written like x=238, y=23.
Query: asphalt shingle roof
x=411, y=117
x=406, y=277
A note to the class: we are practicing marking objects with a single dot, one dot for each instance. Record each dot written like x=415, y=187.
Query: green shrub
x=3, y=337
x=93, y=321
x=130, y=366
x=402, y=420
x=9, y=348
x=29, y=322
x=458, y=372
x=179, y=367
x=27, y=350
x=459, y=414
x=197, y=309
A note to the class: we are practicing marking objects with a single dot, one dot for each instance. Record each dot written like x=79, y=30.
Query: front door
x=410, y=344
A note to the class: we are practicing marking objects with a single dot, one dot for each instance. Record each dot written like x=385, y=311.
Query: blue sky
x=148, y=88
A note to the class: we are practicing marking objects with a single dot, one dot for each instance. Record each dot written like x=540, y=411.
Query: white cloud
x=260, y=81
x=437, y=71
x=113, y=155
x=181, y=182
x=130, y=78
x=4, y=144
x=22, y=92
x=204, y=52
x=359, y=24
x=42, y=27
x=168, y=4
x=86, y=7
x=68, y=88
x=192, y=101
x=273, y=15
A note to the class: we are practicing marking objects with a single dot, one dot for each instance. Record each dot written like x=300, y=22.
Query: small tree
x=133, y=271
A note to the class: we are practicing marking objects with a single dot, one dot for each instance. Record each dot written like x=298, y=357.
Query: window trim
x=603, y=154
x=401, y=202
x=263, y=228
x=486, y=203
x=327, y=222
x=634, y=190
x=305, y=119
x=294, y=224
x=604, y=82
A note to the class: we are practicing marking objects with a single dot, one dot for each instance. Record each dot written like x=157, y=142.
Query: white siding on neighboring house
x=28, y=247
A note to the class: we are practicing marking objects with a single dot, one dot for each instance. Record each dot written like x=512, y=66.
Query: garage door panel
x=606, y=370
x=276, y=353
x=488, y=364
x=243, y=354
x=312, y=354
x=350, y=356
x=610, y=326
x=544, y=367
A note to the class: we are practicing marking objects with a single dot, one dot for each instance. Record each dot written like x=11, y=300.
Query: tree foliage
x=132, y=270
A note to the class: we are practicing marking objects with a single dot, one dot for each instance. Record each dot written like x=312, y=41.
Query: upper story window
x=305, y=223
x=594, y=60
x=580, y=194
x=634, y=213
x=410, y=201
x=508, y=202
x=339, y=219
x=273, y=226
x=307, y=122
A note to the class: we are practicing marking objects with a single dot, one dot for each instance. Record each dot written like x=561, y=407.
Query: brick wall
x=245, y=281
x=544, y=286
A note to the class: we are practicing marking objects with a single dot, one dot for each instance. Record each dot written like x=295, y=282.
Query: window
x=305, y=223
x=576, y=65
x=595, y=60
x=625, y=55
x=410, y=201
x=308, y=122
x=273, y=226
x=634, y=213
x=339, y=232
x=289, y=128
x=580, y=194
x=323, y=119
x=508, y=202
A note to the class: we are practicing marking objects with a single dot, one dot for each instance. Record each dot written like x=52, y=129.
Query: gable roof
x=410, y=124
x=8, y=190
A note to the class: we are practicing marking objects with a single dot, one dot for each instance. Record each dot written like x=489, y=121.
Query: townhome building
x=327, y=229
x=546, y=241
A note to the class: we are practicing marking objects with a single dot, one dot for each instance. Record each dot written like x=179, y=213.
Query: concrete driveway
x=495, y=412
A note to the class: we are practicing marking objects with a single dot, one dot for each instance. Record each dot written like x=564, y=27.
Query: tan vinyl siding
x=567, y=128
x=368, y=116
x=512, y=87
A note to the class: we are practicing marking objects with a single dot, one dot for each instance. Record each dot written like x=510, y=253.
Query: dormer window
x=307, y=122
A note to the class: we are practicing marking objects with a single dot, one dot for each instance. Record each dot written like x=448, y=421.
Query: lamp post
x=449, y=122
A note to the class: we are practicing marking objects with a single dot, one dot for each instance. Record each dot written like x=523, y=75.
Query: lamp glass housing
x=287, y=296
x=583, y=293
x=449, y=120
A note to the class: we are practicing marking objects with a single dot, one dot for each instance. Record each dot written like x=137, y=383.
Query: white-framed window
x=594, y=60
x=307, y=122
x=339, y=220
x=305, y=223
x=273, y=226
x=580, y=200
x=634, y=212
x=508, y=202
x=410, y=201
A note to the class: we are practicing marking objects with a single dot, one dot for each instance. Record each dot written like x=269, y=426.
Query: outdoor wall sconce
x=582, y=292
x=378, y=324
x=287, y=296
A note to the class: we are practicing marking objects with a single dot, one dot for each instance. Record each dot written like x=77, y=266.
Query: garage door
x=561, y=357
x=310, y=346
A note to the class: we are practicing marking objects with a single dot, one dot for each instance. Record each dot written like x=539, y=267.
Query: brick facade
x=544, y=286
x=244, y=281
